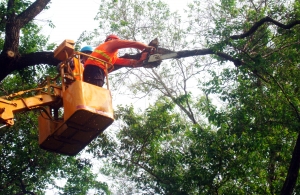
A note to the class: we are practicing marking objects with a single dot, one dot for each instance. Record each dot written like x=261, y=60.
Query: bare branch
x=260, y=23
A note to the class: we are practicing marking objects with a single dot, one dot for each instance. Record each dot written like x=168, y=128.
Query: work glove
x=149, y=49
x=144, y=56
x=139, y=63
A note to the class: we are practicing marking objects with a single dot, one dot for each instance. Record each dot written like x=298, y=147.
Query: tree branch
x=30, y=59
x=198, y=52
x=260, y=23
x=293, y=172
x=14, y=24
x=169, y=94
x=31, y=12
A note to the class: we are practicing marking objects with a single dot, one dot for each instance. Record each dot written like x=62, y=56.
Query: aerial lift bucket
x=87, y=113
x=87, y=108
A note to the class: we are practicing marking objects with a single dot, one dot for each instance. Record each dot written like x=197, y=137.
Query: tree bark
x=10, y=57
x=293, y=172
x=26, y=60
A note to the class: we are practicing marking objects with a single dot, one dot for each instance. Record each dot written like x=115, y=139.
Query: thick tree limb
x=197, y=52
x=31, y=59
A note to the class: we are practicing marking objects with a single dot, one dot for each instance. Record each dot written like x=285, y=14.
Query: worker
x=95, y=71
x=76, y=66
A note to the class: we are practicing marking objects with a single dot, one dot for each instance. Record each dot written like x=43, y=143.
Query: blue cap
x=87, y=48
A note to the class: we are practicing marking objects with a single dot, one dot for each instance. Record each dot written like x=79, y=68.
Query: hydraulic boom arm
x=9, y=108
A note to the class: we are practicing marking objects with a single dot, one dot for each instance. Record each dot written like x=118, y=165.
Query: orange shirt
x=108, y=52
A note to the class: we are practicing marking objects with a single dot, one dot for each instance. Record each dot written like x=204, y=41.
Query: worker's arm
x=128, y=62
x=123, y=62
x=132, y=62
x=121, y=44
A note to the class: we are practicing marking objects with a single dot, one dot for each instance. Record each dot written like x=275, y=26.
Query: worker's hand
x=136, y=63
x=140, y=62
x=144, y=56
x=149, y=49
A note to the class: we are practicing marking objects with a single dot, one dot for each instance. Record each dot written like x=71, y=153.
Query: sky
x=72, y=17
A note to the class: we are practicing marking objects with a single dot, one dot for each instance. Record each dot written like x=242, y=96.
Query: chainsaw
x=153, y=60
x=159, y=57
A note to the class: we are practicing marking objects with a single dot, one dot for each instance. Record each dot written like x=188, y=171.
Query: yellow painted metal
x=47, y=126
x=64, y=50
x=87, y=113
x=9, y=108
x=82, y=95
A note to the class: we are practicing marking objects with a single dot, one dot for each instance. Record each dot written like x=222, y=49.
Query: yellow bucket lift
x=87, y=109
